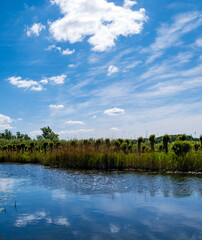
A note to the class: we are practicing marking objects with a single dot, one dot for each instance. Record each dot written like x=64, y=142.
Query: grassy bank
x=101, y=154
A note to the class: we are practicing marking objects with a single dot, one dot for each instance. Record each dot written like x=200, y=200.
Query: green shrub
x=180, y=148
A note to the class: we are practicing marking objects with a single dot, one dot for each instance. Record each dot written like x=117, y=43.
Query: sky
x=101, y=68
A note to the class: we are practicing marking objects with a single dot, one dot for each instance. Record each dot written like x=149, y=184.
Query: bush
x=180, y=148
x=196, y=146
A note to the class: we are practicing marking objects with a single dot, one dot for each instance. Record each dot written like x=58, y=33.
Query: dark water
x=41, y=203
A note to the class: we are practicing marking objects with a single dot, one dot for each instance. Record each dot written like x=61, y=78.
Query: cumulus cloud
x=28, y=84
x=75, y=122
x=114, y=111
x=129, y=4
x=68, y=51
x=56, y=106
x=102, y=21
x=35, y=29
x=5, y=122
x=111, y=70
x=55, y=79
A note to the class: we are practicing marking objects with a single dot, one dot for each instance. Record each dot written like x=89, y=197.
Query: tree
x=108, y=143
x=124, y=146
x=182, y=137
x=139, y=141
x=97, y=144
x=48, y=134
x=152, y=140
x=196, y=146
x=201, y=141
x=166, y=139
x=180, y=148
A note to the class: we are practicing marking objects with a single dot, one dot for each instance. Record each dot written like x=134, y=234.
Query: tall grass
x=101, y=156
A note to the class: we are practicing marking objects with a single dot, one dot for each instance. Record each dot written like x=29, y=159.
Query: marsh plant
x=166, y=153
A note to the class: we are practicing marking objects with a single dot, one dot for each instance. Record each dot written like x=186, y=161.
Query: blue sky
x=101, y=68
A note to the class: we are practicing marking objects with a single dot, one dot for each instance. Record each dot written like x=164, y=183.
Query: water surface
x=42, y=203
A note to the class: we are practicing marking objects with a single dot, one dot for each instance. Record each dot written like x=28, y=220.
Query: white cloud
x=44, y=81
x=94, y=117
x=114, y=129
x=56, y=106
x=111, y=70
x=75, y=122
x=71, y=66
x=102, y=21
x=129, y=4
x=35, y=133
x=72, y=132
x=28, y=84
x=114, y=111
x=35, y=29
x=58, y=79
x=55, y=79
x=5, y=122
x=68, y=51
x=59, y=49
x=53, y=47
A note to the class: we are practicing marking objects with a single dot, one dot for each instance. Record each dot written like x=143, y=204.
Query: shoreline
x=127, y=170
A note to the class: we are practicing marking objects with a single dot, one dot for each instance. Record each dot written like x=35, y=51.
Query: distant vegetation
x=165, y=153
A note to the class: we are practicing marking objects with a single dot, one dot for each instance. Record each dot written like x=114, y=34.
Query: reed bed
x=103, y=155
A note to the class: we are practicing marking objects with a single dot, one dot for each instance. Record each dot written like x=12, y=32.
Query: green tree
x=196, y=146
x=49, y=134
x=166, y=139
x=182, y=137
x=108, y=143
x=152, y=140
x=180, y=148
x=201, y=141
x=139, y=141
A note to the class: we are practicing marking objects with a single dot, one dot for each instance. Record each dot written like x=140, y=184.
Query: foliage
x=103, y=154
x=49, y=134
x=180, y=148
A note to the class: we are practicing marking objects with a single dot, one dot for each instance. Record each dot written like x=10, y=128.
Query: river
x=43, y=203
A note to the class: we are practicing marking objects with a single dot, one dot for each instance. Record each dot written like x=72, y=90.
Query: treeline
x=182, y=154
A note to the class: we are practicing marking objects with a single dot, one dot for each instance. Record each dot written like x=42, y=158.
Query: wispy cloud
x=75, y=122
x=169, y=35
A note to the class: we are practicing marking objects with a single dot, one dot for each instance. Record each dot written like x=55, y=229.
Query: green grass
x=90, y=157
